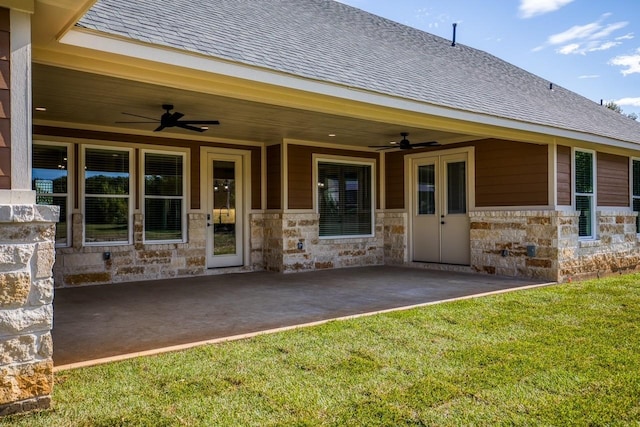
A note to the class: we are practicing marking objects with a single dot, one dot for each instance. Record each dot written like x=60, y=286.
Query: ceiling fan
x=169, y=120
x=404, y=144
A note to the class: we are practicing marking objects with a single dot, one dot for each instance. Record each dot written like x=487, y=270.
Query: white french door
x=440, y=220
x=224, y=210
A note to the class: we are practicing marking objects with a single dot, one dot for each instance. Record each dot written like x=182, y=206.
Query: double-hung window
x=345, y=199
x=585, y=192
x=50, y=180
x=635, y=195
x=164, y=196
x=107, y=195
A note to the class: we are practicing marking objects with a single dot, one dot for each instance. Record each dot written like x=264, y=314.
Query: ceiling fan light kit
x=169, y=120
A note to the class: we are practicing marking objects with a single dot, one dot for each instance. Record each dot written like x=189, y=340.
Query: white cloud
x=569, y=49
x=591, y=37
x=631, y=63
x=628, y=36
x=576, y=32
x=589, y=76
x=633, y=102
x=603, y=46
x=583, y=49
x=606, y=31
x=531, y=8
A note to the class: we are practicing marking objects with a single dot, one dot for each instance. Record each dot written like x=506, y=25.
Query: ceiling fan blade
x=176, y=116
x=159, y=128
x=189, y=127
x=142, y=117
x=200, y=122
x=138, y=122
x=426, y=144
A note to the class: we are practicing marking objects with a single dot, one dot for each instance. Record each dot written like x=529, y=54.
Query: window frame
x=632, y=196
x=143, y=195
x=592, y=196
x=351, y=161
x=70, y=185
x=131, y=196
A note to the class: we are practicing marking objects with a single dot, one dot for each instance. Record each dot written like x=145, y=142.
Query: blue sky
x=591, y=47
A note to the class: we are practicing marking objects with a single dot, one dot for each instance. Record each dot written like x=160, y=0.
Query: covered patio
x=99, y=323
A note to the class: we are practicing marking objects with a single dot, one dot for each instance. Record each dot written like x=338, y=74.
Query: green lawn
x=561, y=355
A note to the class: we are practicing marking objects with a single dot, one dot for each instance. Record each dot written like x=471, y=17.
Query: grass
x=562, y=355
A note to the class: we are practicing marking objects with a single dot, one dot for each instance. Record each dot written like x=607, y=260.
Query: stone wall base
x=26, y=312
x=37, y=403
x=546, y=245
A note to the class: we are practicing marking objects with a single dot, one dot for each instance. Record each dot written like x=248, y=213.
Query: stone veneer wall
x=26, y=314
x=85, y=265
x=499, y=241
x=284, y=231
x=616, y=249
x=395, y=238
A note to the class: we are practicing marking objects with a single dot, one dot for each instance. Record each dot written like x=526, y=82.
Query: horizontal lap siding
x=613, y=180
x=194, y=147
x=511, y=174
x=274, y=177
x=564, y=175
x=394, y=182
x=5, y=100
x=300, y=170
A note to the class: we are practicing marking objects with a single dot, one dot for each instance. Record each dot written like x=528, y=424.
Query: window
x=345, y=200
x=585, y=192
x=635, y=195
x=164, y=191
x=50, y=175
x=107, y=195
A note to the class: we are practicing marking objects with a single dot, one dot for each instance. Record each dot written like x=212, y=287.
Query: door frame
x=410, y=161
x=245, y=188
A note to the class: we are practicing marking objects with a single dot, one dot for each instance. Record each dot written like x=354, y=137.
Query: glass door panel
x=224, y=208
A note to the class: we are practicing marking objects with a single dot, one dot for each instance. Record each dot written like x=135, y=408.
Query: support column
x=27, y=254
x=27, y=231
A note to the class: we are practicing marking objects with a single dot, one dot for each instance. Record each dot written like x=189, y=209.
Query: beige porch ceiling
x=86, y=100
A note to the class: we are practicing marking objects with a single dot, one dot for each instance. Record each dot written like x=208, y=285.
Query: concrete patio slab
x=98, y=322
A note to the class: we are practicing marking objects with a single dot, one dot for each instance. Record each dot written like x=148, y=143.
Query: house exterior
x=527, y=178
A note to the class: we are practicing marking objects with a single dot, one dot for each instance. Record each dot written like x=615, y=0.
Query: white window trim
x=183, y=154
x=70, y=186
x=356, y=161
x=594, y=225
x=131, y=196
x=632, y=196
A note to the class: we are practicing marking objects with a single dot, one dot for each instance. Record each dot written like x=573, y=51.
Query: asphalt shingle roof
x=329, y=41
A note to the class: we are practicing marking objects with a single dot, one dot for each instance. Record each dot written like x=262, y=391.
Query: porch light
x=332, y=135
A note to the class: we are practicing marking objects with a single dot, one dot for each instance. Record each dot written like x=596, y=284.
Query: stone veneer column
x=27, y=254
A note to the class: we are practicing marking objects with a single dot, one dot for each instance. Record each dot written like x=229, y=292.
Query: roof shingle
x=332, y=42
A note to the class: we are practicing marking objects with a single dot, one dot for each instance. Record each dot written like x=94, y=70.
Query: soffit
x=88, y=100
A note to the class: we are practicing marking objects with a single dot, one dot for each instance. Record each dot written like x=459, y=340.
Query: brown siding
x=256, y=178
x=613, y=180
x=394, y=184
x=564, y=175
x=194, y=146
x=5, y=100
x=300, y=168
x=511, y=174
x=274, y=177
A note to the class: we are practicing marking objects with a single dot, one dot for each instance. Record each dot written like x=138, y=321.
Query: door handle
x=442, y=222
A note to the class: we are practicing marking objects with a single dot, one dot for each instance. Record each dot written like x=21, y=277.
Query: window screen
x=163, y=196
x=49, y=180
x=584, y=186
x=636, y=191
x=344, y=199
x=106, y=205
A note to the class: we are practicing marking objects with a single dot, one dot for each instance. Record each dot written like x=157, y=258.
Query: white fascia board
x=170, y=56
